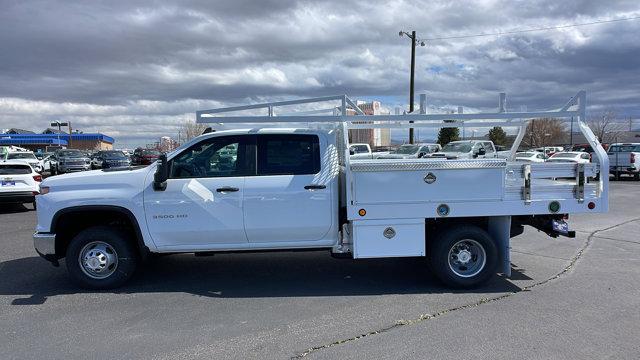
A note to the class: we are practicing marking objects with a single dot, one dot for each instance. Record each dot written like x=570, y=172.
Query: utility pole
x=414, y=40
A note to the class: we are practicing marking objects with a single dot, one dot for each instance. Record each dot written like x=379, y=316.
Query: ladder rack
x=337, y=113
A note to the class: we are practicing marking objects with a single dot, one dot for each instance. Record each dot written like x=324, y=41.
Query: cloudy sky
x=136, y=70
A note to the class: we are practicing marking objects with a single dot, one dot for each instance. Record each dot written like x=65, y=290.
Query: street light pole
x=413, y=71
x=414, y=40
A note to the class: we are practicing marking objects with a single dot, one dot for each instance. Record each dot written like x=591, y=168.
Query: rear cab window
x=14, y=169
x=624, y=148
x=288, y=154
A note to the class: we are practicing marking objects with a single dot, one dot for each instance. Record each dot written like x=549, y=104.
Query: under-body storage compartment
x=387, y=238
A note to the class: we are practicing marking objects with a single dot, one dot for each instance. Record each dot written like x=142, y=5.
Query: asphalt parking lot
x=568, y=298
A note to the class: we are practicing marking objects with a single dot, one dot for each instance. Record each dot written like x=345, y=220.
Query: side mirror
x=161, y=175
x=352, y=152
x=482, y=151
x=422, y=154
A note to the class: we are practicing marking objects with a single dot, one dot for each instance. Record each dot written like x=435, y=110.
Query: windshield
x=461, y=147
x=113, y=154
x=24, y=155
x=406, y=149
x=564, y=156
x=71, y=153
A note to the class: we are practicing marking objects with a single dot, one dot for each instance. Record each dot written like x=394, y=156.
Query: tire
x=111, y=258
x=476, y=244
x=636, y=176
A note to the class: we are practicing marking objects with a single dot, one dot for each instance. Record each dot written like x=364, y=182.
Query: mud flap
x=500, y=230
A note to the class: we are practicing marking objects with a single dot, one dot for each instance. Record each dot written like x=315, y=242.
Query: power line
x=530, y=30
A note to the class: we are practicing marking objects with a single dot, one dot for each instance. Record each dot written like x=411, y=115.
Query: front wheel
x=463, y=256
x=101, y=258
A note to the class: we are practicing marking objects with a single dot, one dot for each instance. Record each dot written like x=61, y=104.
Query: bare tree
x=544, y=132
x=191, y=129
x=605, y=127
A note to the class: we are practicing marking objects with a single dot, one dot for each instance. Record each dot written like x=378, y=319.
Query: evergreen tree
x=447, y=135
x=498, y=136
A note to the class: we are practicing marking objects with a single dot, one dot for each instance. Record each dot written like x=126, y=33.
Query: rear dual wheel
x=463, y=256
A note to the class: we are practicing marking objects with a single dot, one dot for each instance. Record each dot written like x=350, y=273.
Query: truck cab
x=230, y=191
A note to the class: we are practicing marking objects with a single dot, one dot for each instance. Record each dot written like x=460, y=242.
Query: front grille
x=74, y=162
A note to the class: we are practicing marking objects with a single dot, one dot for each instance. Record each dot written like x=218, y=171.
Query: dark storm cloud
x=133, y=62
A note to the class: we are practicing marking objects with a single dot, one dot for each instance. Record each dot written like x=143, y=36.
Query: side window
x=288, y=154
x=215, y=157
x=488, y=147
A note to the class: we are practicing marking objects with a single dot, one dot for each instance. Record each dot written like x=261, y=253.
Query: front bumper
x=45, y=245
x=72, y=168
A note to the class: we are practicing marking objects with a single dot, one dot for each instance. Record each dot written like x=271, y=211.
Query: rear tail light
x=633, y=158
x=37, y=178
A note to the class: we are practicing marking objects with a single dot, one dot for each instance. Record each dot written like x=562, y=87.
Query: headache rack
x=524, y=183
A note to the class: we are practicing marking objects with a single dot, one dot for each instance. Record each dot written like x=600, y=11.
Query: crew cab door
x=201, y=207
x=290, y=199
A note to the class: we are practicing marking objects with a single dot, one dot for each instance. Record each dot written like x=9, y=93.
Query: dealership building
x=52, y=138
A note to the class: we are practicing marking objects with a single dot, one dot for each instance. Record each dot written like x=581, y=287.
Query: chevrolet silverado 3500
x=287, y=182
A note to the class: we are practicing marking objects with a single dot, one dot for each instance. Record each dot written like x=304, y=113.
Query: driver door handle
x=227, y=189
x=315, y=187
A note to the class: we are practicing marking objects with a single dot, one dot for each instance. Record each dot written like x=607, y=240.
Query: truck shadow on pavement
x=281, y=274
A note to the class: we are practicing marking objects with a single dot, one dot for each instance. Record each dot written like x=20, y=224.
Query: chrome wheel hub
x=464, y=256
x=98, y=260
x=467, y=258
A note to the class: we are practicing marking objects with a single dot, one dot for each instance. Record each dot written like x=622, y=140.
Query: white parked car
x=25, y=156
x=530, y=156
x=577, y=157
x=19, y=183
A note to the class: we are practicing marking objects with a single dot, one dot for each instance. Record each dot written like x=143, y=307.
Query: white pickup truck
x=467, y=149
x=296, y=187
x=360, y=151
x=624, y=158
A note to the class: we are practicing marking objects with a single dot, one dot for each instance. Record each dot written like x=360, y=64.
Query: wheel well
x=68, y=223
x=435, y=225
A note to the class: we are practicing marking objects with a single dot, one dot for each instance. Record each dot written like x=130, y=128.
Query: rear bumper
x=45, y=245
x=17, y=197
x=623, y=170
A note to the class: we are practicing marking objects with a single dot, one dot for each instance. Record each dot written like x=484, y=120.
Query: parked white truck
x=624, y=159
x=295, y=187
x=467, y=149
